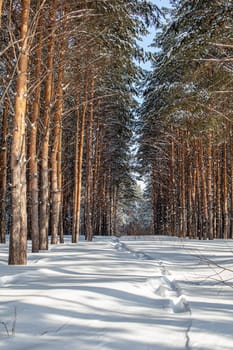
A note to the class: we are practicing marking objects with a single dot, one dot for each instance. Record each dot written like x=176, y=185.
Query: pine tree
x=186, y=101
x=18, y=237
x=72, y=82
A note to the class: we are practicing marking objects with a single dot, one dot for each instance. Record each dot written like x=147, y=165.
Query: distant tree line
x=68, y=77
x=186, y=125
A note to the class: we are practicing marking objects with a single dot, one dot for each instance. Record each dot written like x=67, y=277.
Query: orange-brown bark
x=18, y=237
x=44, y=207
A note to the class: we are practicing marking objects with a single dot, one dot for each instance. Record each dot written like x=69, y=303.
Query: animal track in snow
x=120, y=246
x=163, y=285
x=168, y=288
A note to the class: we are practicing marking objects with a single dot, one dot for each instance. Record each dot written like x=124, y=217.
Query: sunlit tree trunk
x=198, y=196
x=44, y=197
x=214, y=175
x=60, y=186
x=114, y=210
x=210, y=189
x=179, y=186
x=33, y=161
x=104, y=217
x=183, y=188
x=225, y=193
x=3, y=171
x=18, y=236
x=96, y=172
x=231, y=185
x=55, y=156
x=110, y=206
x=219, y=195
x=107, y=202
x=89, y=168
x=193, y=190
x=189, y=189
x=79, y=140
x=172, y=186
x=67, y=180
x=76, y=157
x=203, y=192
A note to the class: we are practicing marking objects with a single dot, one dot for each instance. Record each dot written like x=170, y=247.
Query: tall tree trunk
x=172, y=186
x=214, y=176
x=96, y=173
x=195, y=190
x=114, y=210
x=189, y=189
x=79, y=141
x=219, y=195
x=225, y=193
x=18, y=237
x=44, y=208
x=55, y=157
x=76, y=157
x=179, y=187
x=183, y=188
x=103, y=214
x=89, y=168
x=3, y=172
x=60, y=186
x=204, y=192
x=231, y=184
x=210, y=189
x=33, y=161
x=198, y=194
x=155, y=202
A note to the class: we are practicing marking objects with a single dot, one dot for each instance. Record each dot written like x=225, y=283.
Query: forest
x=70, y=118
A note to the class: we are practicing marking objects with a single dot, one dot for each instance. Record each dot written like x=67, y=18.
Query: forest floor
x=141, y=293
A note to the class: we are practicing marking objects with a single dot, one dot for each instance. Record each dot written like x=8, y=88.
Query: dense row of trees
x=67, y=100
x=186, y=122
x=68, y=79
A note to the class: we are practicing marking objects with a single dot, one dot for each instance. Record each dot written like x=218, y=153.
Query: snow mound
x=180, y=304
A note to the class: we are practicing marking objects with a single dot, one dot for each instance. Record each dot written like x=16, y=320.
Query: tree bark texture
x=89, y=167
x=56, y=189
x=44, y=195
x=79, y=163
x=18, y=236
x=3, y=172
x=33, y=159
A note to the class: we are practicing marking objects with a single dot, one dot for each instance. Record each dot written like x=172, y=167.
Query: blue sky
x=160, y=4
x=149, y=38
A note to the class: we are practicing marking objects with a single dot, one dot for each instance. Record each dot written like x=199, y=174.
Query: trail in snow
x=204, y=270
x=164, y=285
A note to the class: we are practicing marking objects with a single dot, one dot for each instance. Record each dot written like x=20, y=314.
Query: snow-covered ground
x=119, y=294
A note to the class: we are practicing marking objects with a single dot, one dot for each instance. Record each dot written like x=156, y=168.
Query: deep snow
x=141, y=293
